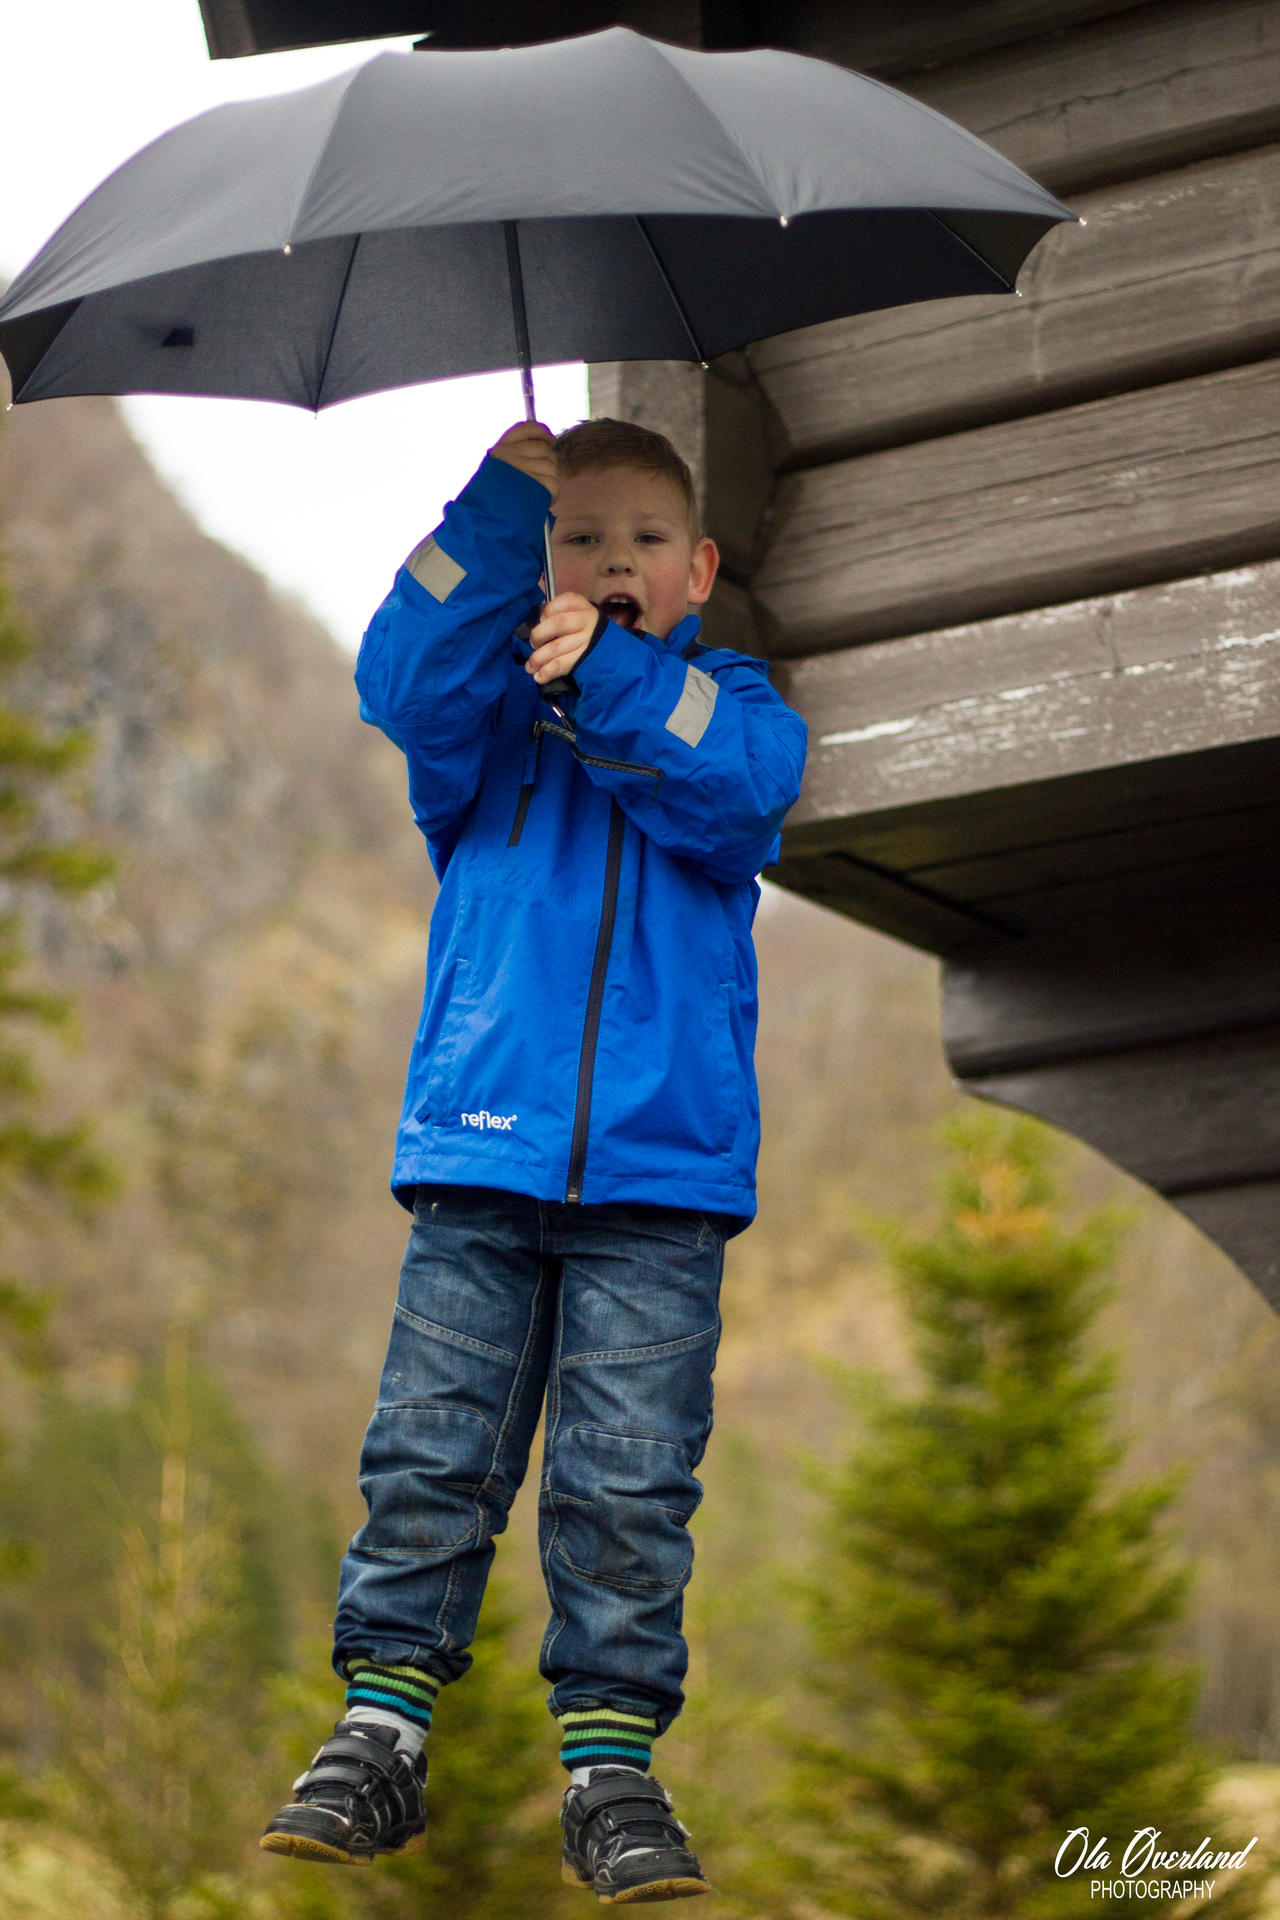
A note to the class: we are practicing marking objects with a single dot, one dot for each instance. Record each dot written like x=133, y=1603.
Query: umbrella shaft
x=521, y=319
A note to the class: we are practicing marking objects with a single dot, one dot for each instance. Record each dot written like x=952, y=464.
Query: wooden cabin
x=1018, y=563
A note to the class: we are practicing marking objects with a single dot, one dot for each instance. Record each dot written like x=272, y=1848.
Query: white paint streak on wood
x=1118, y=680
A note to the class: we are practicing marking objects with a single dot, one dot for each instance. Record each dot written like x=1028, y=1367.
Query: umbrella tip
x=783, y=220
x=287, y=247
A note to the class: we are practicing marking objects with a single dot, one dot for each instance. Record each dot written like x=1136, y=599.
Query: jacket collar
x=682, y=633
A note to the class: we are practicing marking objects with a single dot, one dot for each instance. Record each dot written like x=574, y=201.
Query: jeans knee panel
x=622, y=1502
x=422, y=1471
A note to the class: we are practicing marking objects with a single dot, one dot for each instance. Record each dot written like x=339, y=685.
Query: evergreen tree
x=989, y=1606
x=36, y=1161
x=163, y=1733
x=32, y=763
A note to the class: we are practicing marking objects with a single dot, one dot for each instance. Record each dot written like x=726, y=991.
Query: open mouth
x=622, y=608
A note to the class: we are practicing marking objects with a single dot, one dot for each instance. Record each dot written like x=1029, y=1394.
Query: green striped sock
x=606, y=1737
x=408, y=1691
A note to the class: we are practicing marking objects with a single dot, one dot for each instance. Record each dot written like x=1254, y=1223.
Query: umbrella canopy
x=361, y=234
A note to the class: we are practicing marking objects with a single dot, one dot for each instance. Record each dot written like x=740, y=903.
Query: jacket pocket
x=673, y=1097
x=443, y=1043
x=727, y=1075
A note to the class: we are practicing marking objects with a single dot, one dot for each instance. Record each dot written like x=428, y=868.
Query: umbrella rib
x=969, y=247
x=333, y=331
x=668, y=283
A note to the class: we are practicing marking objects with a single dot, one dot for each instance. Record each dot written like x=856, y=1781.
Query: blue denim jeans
x=612, y=1315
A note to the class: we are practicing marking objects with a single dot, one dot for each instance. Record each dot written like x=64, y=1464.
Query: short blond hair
x=593, y=445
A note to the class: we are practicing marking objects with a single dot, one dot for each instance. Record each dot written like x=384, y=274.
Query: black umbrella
x=640, y=200
x=605, y=198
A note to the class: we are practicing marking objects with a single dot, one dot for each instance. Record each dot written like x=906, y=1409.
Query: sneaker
x=359, y=1797
x=622, y=1839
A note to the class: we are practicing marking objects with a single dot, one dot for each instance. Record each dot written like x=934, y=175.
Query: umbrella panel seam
x=318, y=398
x=669, y=284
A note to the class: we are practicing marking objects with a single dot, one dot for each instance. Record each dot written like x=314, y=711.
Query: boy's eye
x=653, y=539
x=579, y=539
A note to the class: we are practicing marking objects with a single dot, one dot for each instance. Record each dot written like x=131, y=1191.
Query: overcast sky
x=327, y=506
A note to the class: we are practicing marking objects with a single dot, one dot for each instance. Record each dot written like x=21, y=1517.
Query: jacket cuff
x=609, y=643
x=602, y=621
x=504, y=492
x=572, y=689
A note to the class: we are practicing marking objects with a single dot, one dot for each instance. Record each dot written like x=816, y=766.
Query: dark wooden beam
x=742, y=445
x=1109, y=986
x=896, y=36
x=235, y=28
x=1172, y=276
x=1180, y=823
x=891, y=902
x=1157, y=86
x=1147, y=486
x=1155, y=1036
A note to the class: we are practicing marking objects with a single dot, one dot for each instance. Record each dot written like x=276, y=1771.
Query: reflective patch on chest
x=433, y=569
x=693, y=710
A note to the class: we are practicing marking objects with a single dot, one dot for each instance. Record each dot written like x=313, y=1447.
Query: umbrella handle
x=515, y=275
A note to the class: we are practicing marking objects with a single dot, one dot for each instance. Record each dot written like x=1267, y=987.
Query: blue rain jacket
x=588, y=1028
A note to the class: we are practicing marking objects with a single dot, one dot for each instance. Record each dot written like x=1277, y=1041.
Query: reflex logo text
x=503, y=1122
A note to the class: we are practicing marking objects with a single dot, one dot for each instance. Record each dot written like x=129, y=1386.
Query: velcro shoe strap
x=615, y=1791
x=350, y=1747
x=631, y=1823
x=334, y=1773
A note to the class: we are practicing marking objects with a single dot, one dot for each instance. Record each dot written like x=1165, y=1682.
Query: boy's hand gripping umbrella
x=430, y=215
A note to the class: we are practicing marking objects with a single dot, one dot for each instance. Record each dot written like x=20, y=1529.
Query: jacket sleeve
x=436, y=658
x=727, y=748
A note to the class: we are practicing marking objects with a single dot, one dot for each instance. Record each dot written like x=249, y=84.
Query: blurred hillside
x=247, y=988
x=248, y=984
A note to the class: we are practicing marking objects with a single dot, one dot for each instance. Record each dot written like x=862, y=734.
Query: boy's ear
x=703, y=568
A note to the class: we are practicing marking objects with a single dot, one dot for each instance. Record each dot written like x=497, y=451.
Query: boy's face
x=622, y=540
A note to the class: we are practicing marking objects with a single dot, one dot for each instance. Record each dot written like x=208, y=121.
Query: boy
x=579, y=1128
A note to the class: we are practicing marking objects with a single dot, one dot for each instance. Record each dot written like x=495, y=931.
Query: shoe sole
x=300, y=1846
x=677, y=1887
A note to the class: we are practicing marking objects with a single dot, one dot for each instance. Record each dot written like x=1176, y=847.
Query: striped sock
x=606, y=1737
x=402, y=1693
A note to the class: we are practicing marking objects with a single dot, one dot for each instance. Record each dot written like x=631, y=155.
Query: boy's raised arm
x=436, y=658
x=728, y=750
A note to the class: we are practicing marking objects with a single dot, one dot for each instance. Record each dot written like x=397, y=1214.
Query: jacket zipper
x=593, y=759
x=530, y=773
x=528, y=779
x=595, y=1002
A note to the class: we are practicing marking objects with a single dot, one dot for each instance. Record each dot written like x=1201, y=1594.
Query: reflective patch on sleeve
x=694, y=708
x=433, y=570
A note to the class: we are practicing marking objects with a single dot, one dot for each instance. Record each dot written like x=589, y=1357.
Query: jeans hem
x=400, y=1653
x=661, y=1712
